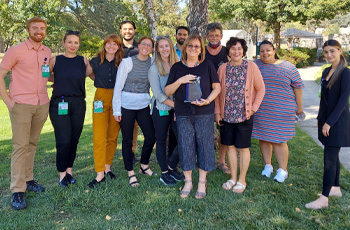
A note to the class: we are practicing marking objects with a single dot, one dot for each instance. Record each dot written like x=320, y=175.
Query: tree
x=197, y=18
x=275, y=12
x=151, y=19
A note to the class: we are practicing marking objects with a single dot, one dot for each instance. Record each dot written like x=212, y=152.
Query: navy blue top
x=70, y=74
x=334, y=110
x=105, y=73
x=218, y=59
x=208, y=76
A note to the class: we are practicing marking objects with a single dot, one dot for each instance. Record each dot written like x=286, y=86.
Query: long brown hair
x=118, y=55
x=341, y=65
x=158, y=61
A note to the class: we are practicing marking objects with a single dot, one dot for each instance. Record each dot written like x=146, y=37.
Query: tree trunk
x=277, y=30
x=1, y=45
x=151, y=18
x=197, y=18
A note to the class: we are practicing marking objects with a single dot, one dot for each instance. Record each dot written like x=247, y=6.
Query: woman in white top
x=131, y=101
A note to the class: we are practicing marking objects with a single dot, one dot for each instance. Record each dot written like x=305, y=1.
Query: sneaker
x=176, y=175
x=18, y=201
x=70, y=178
x=33, y=185
x=281, y=175
x=167, y=179
x=267, y=171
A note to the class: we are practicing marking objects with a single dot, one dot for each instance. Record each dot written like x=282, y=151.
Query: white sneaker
x=281, y=175
x=267, y=170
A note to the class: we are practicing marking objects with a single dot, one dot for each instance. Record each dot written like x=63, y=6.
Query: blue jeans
x=196, y=141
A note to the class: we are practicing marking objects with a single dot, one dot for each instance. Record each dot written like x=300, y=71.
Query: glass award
x=193, y=90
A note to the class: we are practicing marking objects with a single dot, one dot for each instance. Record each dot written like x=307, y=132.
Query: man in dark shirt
x=217, y=54
x=127, y=30
x=214, y=51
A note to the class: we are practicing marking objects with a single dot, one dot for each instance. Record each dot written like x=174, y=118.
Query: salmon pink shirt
x=27, y=85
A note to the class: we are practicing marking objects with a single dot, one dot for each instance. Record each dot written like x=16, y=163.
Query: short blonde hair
x=191, y=38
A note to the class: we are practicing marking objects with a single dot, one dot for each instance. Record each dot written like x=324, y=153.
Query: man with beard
x=127, y=31
x=28, y=105
x=182, y=33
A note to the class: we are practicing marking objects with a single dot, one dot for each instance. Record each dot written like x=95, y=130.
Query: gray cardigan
x=158, y=83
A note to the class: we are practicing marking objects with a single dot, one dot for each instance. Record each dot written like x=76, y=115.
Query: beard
x=129, y=39
x=37, y=39
x=180, y=42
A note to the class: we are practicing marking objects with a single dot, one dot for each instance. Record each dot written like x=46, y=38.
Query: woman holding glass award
x=195, y=84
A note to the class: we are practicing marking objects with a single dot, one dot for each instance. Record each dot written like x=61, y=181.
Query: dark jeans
x=331, y=169
x=196, y=141
x=127, y=123
x=162, y=125
x=67, y=129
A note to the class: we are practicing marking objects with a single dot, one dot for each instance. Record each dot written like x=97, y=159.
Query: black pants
x=162, y=126
x=331, y=169
x=127, y=123
x=67, y=129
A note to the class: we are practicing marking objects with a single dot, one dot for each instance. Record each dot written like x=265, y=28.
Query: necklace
x=195, y=64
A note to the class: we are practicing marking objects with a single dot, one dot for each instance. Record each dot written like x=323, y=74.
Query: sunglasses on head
x=164, y=36
x=73, y=32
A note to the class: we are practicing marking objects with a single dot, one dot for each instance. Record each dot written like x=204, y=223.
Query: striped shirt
x=275, y=119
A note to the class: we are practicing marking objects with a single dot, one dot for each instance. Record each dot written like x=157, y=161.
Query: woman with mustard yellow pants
x=105, y=128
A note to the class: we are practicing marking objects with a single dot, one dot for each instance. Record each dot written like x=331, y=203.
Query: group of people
x=192, y=85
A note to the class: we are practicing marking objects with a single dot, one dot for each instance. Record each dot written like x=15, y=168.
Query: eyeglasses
x=195, y=47
x=146, y=44
x=73, y=32
x=160, y=37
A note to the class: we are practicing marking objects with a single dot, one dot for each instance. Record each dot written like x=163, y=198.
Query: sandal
x=134, y=183
x=201, y=195
x=143, y=171
x=228, y=185
x=224, y=168
x=239, y=188
x=185, y=194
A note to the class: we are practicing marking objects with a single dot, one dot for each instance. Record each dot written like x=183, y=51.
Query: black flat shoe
x=64, y=182
x=94, y=182
x=70, y=179
x=111, y=175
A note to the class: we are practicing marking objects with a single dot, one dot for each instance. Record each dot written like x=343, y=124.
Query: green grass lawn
x=264, y=205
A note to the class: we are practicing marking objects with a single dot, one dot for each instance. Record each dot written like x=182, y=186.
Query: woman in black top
x=194, y=120
x=333, y=120
x=67, y=105
x=105, y=128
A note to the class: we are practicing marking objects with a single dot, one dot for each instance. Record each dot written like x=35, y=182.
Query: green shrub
x=311, y=52
x=298, y=58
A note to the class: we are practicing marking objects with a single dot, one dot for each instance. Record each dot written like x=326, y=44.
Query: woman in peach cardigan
x=242, y=91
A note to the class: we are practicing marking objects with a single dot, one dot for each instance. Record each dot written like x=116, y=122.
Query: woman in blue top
x=67, y=105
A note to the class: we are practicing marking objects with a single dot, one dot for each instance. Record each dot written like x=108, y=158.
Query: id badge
x=98, y=106
x=45, y=69
x=163, y=113
x=62, y=108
